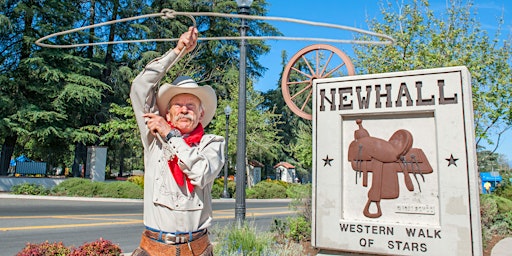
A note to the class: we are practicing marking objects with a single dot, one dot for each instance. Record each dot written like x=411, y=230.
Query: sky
x=355, y=14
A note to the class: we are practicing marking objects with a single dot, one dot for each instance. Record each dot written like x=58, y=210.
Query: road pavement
x=74, y=221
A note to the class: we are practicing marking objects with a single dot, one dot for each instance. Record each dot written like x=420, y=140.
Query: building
x=285, y=172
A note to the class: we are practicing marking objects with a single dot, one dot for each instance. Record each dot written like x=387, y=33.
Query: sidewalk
x=503, y=247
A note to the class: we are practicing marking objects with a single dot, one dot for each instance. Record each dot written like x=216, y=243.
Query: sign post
x=394, y=164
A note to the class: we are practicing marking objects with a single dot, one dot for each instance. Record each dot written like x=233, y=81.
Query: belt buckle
x=169, y=238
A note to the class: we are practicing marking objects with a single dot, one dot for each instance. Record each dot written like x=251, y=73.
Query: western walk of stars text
x=393, y=244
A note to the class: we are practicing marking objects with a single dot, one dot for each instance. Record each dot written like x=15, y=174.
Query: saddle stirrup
x=367, y=212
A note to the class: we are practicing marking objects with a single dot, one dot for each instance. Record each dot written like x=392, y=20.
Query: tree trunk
x=6, y=154
x=111, y=36
x=248, y=173
x=121, y=161
x=92, y=13
x=80, y=158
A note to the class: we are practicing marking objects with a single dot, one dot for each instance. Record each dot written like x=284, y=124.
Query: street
x=79, y=220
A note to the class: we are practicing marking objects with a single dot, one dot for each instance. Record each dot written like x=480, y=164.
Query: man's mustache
x=187, y=116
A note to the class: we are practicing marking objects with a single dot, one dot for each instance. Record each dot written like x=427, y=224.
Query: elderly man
x=180, y=161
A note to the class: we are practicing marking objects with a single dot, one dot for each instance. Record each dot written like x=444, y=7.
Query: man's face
x=185, y=112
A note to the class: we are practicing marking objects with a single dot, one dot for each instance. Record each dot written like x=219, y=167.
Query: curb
x=125, y=200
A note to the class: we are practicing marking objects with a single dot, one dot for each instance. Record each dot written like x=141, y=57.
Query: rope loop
x=168, y=13
x=380, y=39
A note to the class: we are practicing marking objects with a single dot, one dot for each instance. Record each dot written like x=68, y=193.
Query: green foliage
x=299, y=229
x=263, y=141
x=302, y=202
x=29, y=189
x=489, y=161
x=266, y=190
x=302, y=148
x=137, y=180
x=446, y=38
x=241, y=241
x=76, y=187
x=119, y=189
x=504, y=189
x=248, y=241
x=218, y=188
x=298, y=191
x=496, y=217
x=88, y=188
x=79, y=96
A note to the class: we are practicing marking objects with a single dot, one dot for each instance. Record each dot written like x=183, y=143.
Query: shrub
x=301, y=195
x=296, y=228
x=247, y=241
x=88, y=188
x=241, y=241
x=137, y=180
x=119, y=189
x=266, y=189
x=76, y=187
x=97, y=248
x=299, y=229
x=29, y=189
x=496, y=217
x=45, y=249
x=218, y=188
x=504, y=189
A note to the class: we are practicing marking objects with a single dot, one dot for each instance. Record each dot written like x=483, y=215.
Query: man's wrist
x=173, y=133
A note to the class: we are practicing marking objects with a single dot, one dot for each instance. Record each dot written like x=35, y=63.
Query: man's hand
x=187, y=40
x=157, y=124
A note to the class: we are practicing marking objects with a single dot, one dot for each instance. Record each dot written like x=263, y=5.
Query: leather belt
x=173, y=238
x=201, y=246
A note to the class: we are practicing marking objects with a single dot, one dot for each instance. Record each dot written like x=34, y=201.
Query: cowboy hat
x=185, y=84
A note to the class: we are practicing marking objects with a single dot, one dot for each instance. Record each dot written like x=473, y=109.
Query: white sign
x=394, y=164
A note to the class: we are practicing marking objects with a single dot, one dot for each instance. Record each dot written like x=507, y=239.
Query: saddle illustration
x=384, y=159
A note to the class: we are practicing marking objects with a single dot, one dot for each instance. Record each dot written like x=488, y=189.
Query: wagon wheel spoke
x=334, y=70
x=326, y=64
x=307, y=100
x=298, y=82
x=297, y=89
x=301, y=91
x=309, y=66
x=300, y=71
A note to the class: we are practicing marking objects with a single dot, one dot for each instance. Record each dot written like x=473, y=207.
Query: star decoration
x=452, y=160
x=327, y=160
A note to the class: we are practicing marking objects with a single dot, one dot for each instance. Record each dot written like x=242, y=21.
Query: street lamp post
x=244, y=7
x=225, y=193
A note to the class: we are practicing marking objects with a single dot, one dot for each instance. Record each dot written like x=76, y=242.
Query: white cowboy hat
x=185, y=84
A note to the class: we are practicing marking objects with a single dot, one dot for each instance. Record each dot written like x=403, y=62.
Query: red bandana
x=193, y=139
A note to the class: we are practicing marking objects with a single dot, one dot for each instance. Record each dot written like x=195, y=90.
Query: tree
x=295, y=131
x=51, y=98
x=120, y=134
x=425, y=39
x=50, y=86
x=263, y=140
x=489, y=161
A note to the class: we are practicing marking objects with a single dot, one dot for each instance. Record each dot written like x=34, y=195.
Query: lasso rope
x=168, y=13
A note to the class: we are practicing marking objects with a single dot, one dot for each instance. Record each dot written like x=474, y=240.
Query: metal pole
x=240, y=148
x=225, y=193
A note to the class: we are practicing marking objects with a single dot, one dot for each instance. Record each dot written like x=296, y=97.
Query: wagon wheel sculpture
x=312, y=62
